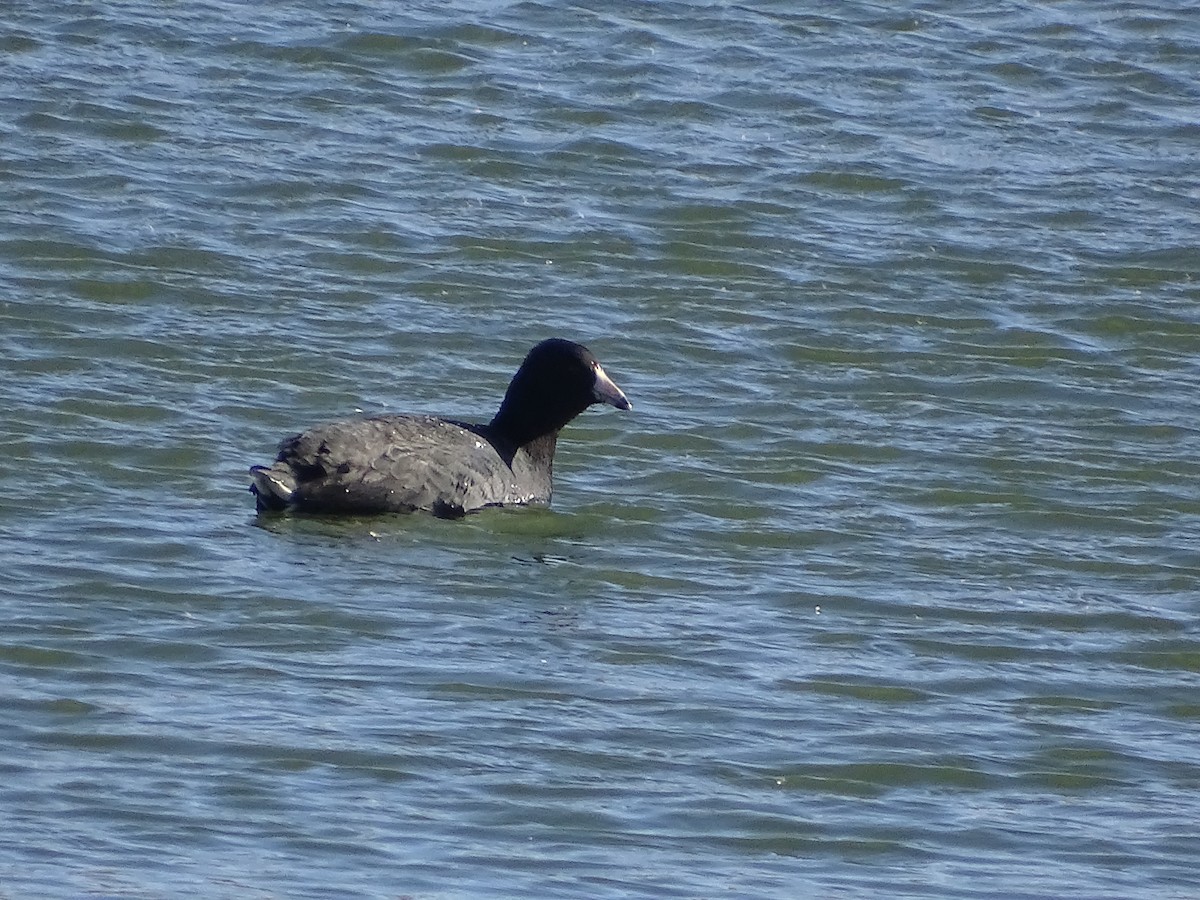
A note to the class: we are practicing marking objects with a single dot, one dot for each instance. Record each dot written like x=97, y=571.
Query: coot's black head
x=558, y=380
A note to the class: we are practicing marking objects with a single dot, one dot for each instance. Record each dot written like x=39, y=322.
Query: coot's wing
x=394, y=463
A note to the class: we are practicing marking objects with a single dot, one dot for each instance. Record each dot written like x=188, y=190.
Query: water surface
x=888, y=586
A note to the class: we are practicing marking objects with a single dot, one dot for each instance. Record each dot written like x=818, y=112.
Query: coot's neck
x=515, y=424
x=536, y=456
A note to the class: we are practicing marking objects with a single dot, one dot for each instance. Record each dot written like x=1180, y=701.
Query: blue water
x=887, y=587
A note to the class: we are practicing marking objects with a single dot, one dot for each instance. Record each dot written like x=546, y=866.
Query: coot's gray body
x=401, y=463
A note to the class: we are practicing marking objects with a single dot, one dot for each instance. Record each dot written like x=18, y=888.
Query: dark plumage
x=400, y=463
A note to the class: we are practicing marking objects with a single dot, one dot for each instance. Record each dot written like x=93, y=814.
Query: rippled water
x=888, y=586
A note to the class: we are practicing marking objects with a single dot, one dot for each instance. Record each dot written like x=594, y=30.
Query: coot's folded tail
x=272, y=487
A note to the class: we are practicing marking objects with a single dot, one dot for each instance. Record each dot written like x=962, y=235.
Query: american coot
x=400, y=463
